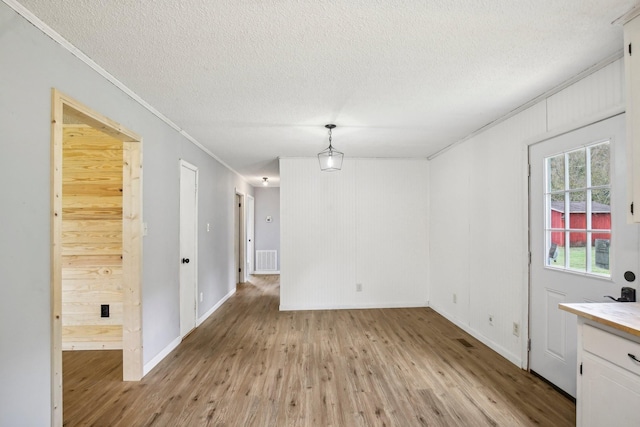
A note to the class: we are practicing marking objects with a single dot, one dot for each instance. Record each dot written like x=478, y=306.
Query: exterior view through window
x=578, y=210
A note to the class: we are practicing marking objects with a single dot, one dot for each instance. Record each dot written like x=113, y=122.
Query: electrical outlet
x=516, y=329
x=104, y=310
x=208, y=227
x=455, y=298
x=201, y=296
x=491, y=319
x=358, y=287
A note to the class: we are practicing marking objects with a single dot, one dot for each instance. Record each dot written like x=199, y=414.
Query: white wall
x=365, y=224
x=267, y=234
x=478, y=212
x=31, y=64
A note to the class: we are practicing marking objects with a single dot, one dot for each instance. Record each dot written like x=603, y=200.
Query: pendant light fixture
x=330, y=159
x=265, y=181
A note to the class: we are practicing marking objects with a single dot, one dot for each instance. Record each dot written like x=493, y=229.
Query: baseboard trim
x=265, y=272
x=352, y=306
x=158, y=358
x=175, y=343
x=486, y=341
x=209, y=312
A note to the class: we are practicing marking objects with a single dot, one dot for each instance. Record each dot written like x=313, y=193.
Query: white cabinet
x=608, y=377
x=632, y=82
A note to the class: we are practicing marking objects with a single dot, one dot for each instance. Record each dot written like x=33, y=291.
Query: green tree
x=577, y=174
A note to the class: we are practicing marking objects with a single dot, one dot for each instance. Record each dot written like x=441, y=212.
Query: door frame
x=624, y=253
x=193, y=168
x=131, y=241
x=241, y=227
x=528, y=143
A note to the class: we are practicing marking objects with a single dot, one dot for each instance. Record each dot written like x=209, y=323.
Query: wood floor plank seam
x=249, y=364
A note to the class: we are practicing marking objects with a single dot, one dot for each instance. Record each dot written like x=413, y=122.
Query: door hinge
x=529, y=257
x=529, y=170
x=631, y=208
x=239, y=205
x=240, y=270
x=529, y=344
x=581, y=369
x=629, y=49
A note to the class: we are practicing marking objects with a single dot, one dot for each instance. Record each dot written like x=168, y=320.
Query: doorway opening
x=96, y=239
x=239, y=238
x=250, y=237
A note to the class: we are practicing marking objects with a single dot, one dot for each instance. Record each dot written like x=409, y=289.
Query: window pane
x=555, y=249
x=577, y=251
x=556, y=211
x=578, y=209
x=577, y=169
x=600, y=164
x=571, y=236
x=601, y=209
x=600, y=257
x=555, y=169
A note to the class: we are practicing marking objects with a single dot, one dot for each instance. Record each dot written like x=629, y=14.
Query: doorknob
x=185, y=260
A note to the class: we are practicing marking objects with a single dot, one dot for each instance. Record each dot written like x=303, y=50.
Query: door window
x=578, y=210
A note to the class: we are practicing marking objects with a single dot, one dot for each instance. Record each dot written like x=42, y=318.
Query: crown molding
x=55, y=36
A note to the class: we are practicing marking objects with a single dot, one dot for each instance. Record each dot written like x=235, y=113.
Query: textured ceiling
x=254, y=80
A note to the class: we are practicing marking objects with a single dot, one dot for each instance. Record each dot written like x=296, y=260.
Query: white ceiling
x=254, y=80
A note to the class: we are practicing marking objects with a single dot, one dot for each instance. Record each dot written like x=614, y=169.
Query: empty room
x=329, y=213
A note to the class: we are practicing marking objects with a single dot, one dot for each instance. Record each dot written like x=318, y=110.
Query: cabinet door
x=611, y=395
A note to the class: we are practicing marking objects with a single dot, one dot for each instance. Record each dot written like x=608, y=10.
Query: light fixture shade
x=330, y=160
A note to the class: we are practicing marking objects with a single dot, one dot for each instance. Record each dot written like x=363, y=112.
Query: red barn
x=600, y=220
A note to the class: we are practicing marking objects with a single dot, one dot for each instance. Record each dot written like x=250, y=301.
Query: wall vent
x=267, y=260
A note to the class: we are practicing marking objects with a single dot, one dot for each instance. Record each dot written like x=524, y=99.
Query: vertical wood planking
x=497, y=262
x=392, y=231
x=497, y=279
x=598, y=92
x=317, y=247
x=449, y=234
x=363, y=225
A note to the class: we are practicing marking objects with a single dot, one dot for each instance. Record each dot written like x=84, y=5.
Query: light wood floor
x=251, y=365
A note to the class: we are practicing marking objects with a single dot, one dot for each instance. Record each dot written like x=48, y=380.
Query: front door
x=188, y=246
x=581, y=245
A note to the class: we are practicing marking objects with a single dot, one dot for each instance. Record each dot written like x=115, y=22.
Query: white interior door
x=575, y=255
x=188, y=246
x=250, y=234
